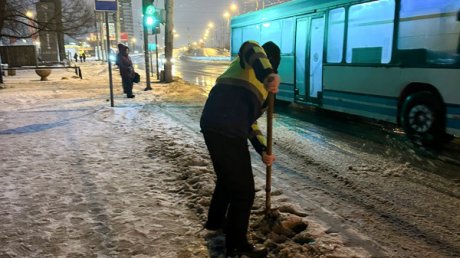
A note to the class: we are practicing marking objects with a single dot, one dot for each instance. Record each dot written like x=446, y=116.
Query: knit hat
x=273, y=53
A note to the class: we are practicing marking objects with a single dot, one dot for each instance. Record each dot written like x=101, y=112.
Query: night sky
x=191, y=18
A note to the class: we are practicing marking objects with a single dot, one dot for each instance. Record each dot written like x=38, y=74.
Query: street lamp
x=133, y=41
x=210, y=26
x=234, y=7
x=31, y=24
x=226, y=15
x=225, y=30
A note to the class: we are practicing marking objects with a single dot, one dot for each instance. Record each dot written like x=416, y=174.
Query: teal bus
x=391, y=60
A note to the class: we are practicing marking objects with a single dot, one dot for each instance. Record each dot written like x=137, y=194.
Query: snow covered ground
x=79, y=178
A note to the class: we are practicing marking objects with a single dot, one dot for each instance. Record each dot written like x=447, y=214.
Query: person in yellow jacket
x=228, y=120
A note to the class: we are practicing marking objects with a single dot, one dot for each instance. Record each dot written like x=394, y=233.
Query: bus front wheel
x=422, y=118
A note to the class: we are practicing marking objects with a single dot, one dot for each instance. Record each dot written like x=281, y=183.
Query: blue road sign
x=106, y=5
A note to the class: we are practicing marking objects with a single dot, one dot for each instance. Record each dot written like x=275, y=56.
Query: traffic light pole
x=156, y=53
x=146, y=55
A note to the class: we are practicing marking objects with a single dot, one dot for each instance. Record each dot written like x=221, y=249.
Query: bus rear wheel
x=422, y=118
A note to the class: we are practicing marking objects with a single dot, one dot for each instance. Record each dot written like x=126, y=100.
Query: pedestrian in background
x=228, y=120
x=83, y=55
x=75, y=56
x=126, y=68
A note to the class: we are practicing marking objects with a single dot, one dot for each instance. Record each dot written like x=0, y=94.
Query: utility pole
x=103, y=48
x=98, y=50
x=169, y=6
x=117, y=24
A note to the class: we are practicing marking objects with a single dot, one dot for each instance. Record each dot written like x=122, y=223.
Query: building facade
x=268, y=3
x=126, y=27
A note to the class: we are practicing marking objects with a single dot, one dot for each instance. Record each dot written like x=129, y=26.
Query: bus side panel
x=286, y=72
x=373, y=91
x=363, y=91
x=446, y=81
x=453, y=119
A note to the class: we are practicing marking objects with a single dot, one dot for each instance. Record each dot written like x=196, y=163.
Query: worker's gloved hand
x=272, y=82
x=268, y=159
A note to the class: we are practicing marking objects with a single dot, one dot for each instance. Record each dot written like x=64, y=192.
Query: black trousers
x=234, y=193
x=127, y=83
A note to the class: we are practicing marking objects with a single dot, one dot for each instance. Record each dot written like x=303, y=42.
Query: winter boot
x=247, y=250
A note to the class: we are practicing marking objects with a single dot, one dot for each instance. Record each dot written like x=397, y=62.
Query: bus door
x=309, y=59
x=300, y=58
x=316, y=57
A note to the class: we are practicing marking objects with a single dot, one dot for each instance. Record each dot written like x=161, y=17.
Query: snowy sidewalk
x=75, y=179
x=81, y=179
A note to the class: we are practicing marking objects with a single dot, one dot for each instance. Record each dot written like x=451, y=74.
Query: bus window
x=287, y=40
x=237, y=40
x=431, y=28
x=251, y=32
x=335, y=35
x=271, y=31
x=370, y=32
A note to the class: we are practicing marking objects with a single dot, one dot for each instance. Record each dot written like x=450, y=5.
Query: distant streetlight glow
x=234, y=7
x=29, y=14
x=226, y=15
x=211, y=25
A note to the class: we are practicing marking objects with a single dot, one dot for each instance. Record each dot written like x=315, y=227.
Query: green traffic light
x=149, y=21
x=150, y=16
x=150, y=10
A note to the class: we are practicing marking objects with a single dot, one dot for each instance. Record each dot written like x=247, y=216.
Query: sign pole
x=108, y=57
x=107, y=6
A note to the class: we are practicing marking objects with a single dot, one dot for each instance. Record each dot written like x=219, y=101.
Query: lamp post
x=211, y=26
x=133, y=42
x=30, y=22
x=225, y=32
x=234, y=8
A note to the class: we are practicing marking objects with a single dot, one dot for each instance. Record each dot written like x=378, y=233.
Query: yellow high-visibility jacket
x=239, y=97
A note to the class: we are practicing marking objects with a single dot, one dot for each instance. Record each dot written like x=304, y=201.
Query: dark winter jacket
x=124, y=62
x=239, y=97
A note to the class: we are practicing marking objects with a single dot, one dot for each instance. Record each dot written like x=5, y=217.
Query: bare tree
x=73, y=19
